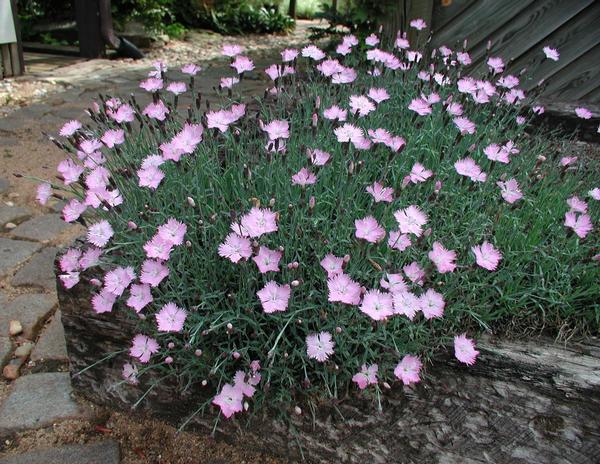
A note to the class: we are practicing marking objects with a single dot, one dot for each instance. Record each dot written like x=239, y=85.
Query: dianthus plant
x=374, y=208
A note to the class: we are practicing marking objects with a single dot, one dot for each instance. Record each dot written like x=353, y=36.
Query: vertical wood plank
x=87, y=16
x=19, y=45
x=576, y=80
x=6, y=65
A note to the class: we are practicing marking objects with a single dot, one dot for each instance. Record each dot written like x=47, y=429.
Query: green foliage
x=359, y=16
x=175, y=30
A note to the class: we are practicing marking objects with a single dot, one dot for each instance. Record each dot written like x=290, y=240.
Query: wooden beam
x=87, y=15
x=17, y=49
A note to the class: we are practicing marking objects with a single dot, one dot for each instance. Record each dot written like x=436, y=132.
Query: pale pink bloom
x=463, y=58
x=487, y=256
x=318, y=157
x=496, y=153
x=568, y=160
x=538, y=110
x=441, y=80
x=366, y=376
x=377, y=305
x=469, y=168
x=231, y=50
x=406, y=303
x=329, y=67
x=467, y=85
x=420, y=106
x=242, y=64
x=432, y=98
x=304, y=177
x=100, y=233
x=378, y=95
x=343, y=289
x=508, y=82
x=398, y=240
x=69, y=128
x=274, y=297
x=278, y=129
x=396, y=143
x=159, y=69
x=411, y=220
x=413, y=56
x=152, y=84
x=89, y=146
x=350, y=40
x=90, y=258
x=576, y=205
x=143, y=347
x=267, y=260
x=191, y=69
x=581, y=225
x=408, y=369
x=424, y=76
x=349, y=133
x=125, y=113
x=344, y=76
x=140, y=296
x=369, y=229
x=98, y=178
x=289, y=54
x=259, y=221
x=551, y=53
x=235, y=248
x=418, y=173
x=69, y=262
x=464, y=125
x=113, y=137
x=43, y=193
x=313, y=52
x=103, y=302
x=171, y=318
x=418, y=24
x=495, y=64
x=177, y=88
x=332, y=264
x=455, y=109
x=381, y=193
x=432, y=304
x=150, y=177
x=514, y=96
x=443, y=258
x=229, y=400
x=188, y=138
x=319, y=346
x=510, y=190
x=402, y=43
x=153, y=272
x=159, y=248
x=69, y=171
x=239, y=382
x=69, y=280
x=379, y=135
x=583, y=113
x=172, y=231
x=117, y=280
x=595, y=193
x=414, y=272
x=130, y=373
x=464, y=349
x=228, y=82
x=372, y=40
x=361, y=105
x=156, y=110
x=335, y=112
x=343, y=49
x=520, y=120
x=219, y=120
x=394, y=283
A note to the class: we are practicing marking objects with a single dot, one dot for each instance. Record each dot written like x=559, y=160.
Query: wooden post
x=87, y=15
x=292, y=9
x=16, y=50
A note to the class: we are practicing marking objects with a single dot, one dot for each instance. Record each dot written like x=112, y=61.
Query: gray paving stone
x=14, y=214
x=104, y=452
x=5, y=350
x=51, y=345
x=31, y=310
x=38, y=400
x=15, y=252
x=4, y=184
x=39, y=271
x=46, y=227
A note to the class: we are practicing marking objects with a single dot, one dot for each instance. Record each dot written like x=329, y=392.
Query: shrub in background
x=374, y=209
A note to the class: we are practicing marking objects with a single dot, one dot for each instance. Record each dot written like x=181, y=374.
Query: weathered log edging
x=523, y=402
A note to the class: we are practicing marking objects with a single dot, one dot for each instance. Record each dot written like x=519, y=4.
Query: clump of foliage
x=374, y=209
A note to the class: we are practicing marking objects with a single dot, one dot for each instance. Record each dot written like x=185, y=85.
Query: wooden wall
x=11, y=54
x=518, y=30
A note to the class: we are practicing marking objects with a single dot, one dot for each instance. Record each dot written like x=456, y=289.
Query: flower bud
x=171, y=345
x=191, y=202
x=272, y=202
x=168, y=360
x=198, y=353
x=246, y=406
x=338, y=330
x=96, y=282
x=297, y=410
x=229, y=326
x=386, y=385
x=295, y=283
x=236, y=355
x=131, y=225
x=204, y=383
x=311, y=202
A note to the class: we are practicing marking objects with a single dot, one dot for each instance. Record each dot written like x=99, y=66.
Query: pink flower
x=349, y=133
x=228, y=82
x=378, y=95
x=469, y=168
x=464, y=125
x=455, y=109
x=232, y=50
x=143, y=347
x=406, y=303
x=259, y=221
x=418, y=173
x=420, y=106
x=171, y=318
x=191, y=69
x=274, y=297
x=551, y=53
x=369, y=229
x=335, y=112
x=172, y=231
x=69, y=171
x=313, y=52
x=152, y=84
x=463, y=58
x=113, y=137
x=304, y=177
x=361, y=105
x=487, y=256
x=242, y=64
x=432, y=304
x=70, y=279
x=100, y=233
x=408, y=369
x=496, y=153
x=345, y=76
x=278, y=129
x=595, y=193
x=103, y=302
x=73, y=210
x=124, y=113
x=398, y=240
x=43, y=193
x=394, y=283
x=177, y=88
x=130, y=373
x=568, y=160
x=418, y=24
x=366, y=376
x=229, y=400
x=69, y=128
x=402, y=43
x=443, y=259
x=510, y=190
x=464, y=349
x=318, y=157
x=153, y=272
x=158, y=247
x=239, y=382
x=583, y=113
x=411, y=220
x=156, y=110
x=581, y=225
x=289, y=54
x=414, y=272
x=235, y=248
x=538, y=110
x=343, y=289
x=69, y=262
x=377, y=305
x=267, y=260
x=150, y=177
x=381, y=193
x=90, y=258
x=219, y=120
x=117, y=280
x=319, y=346
x=332, y=264
x=372, y=40
x=329, y=67
x=152, y=161
x=495, y=64
x=380, y=135
x=139, y=297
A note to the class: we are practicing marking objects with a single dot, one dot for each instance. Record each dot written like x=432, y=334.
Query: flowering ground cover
x=375, y=208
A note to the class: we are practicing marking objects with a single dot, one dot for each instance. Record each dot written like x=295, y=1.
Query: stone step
x=104, y=452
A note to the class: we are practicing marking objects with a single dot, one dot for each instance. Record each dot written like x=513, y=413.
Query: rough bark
x=522, y=402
